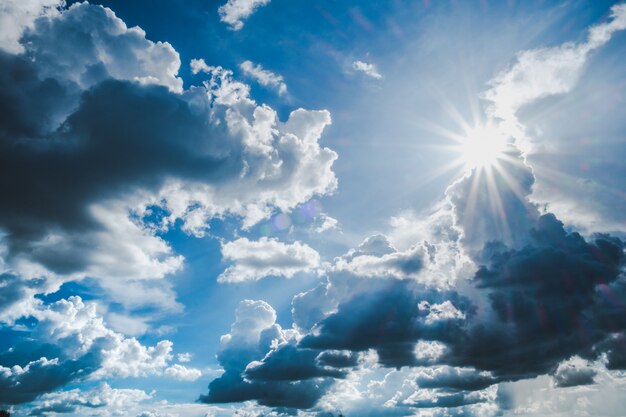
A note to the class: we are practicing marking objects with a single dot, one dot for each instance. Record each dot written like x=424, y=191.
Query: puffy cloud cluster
x=101, y=397
x=71, y=342
x=101, y=155
x=17, y=15
x=261, y=363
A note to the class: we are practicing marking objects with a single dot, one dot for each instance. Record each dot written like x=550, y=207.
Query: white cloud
x=79, y=326
x=234, y=12
x=253, y=260
x=184, y=357
x=327, y=223
x=264, y=77
x=129, y=55
x=18, y=15
x=367, y=68
x=110, y=400
x=183, y=373
x=543, y=72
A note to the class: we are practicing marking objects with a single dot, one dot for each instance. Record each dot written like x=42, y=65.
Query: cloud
x=543, y=72
x=22, y=384
x=257, y=357
x=538, y=293
x=574, y=372
x=101, y=397
x=367, y=69
x=183, y=373
x=264, y=77
x=91, y=203
x=234, y=12
x=70, y=342
x=19, y=15
x=253, y=260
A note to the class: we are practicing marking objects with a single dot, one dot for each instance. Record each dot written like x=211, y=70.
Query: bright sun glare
x=482, y=146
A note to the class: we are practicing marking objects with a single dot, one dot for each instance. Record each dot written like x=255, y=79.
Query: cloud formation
x=128, y=153
x=367, y=69
x=253, y=260
x=264, y=77
x=234, y=12
x=541, y=300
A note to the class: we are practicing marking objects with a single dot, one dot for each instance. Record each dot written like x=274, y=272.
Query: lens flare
x=482, y=146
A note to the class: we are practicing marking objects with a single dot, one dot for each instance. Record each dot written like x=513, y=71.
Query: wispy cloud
x=264, y=77
x=367, y=68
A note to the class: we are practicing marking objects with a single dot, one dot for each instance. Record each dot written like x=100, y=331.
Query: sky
x=318, y=208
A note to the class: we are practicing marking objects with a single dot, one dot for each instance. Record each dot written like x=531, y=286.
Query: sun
x=482, y=146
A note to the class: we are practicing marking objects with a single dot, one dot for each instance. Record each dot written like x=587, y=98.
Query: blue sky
x=265, y=207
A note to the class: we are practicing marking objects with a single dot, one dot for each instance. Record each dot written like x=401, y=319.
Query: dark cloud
x=23, y=382
x=541, y=296
x=337, y=359
x=121, y=138
x=231, y=387
x=289, y=363
x=254, y=370
x=459, y=379
x=389, y=321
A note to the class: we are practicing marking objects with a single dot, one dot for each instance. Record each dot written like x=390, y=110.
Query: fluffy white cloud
x=253, y=260
x=79, y=327
x=234, y=12
x=18, y=15
x=183, y=373
x=109, y=400
x=264, y=77
x=367, y=69
x=129, y=55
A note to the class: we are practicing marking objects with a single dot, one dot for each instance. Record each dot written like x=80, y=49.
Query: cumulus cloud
x=101, y=397
x=183, y=373
x=253, y=260
x=234, y=12
x=264, y=77
x=18, y=15
x=574, y=372
x=71, y=342
x=92, y=202
x=257, y=356
x=367, y=69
